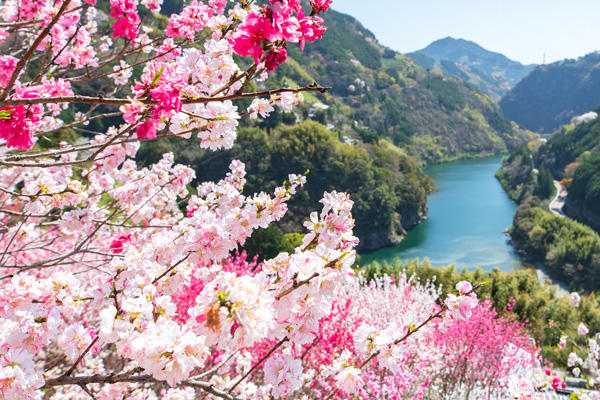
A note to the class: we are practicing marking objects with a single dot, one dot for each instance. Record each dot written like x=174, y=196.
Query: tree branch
x=128, y=378
x=119, y=102
x=32, y=48
x=278, y=345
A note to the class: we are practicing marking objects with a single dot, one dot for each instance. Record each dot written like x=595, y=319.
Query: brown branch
x=278, y=345
x=89, y=393
x=74, y=149
x=72, y=369
x=50, y=164
x=171, y=268
x=119, y=102
x=34, y=195
x=23, y=214
x=32, y=48
x=306, y=281
x=216, y=367
x=128, y=378
x=295, y=286
x=74, y=124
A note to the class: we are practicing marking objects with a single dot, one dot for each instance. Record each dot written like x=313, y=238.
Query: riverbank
x=569, y=251
x=460, y=228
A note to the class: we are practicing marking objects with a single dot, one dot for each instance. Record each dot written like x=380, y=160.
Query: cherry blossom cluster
x=96, y=271
x=180, y=85
x=118, y=279
x=363, y=347
x=581, y=363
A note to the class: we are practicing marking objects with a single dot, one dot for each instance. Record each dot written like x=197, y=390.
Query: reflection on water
x=466, y=220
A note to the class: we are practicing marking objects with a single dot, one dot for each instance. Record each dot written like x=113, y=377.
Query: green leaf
x=157, y=76
x=6, y=113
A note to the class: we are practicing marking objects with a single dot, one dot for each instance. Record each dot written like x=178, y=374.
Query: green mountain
x=492, y=73
x=377, y=92
x=553, y=94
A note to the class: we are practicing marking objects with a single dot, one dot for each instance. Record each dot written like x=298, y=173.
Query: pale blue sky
x=520, y=29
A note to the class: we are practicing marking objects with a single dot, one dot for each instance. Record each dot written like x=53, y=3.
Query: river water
x=465, y=224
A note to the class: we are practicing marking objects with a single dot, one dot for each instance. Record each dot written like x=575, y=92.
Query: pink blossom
x=558, y=383
x=118, y=243
x=131, y=111
x=575, y=299
x=562, y=342
x=275, y=58
x=320, y=6
x=7, y=67
x=128, y=20
x=349, y=380
x=17, y=124
x=464, y=287
x=147, y=129
x=248, y=41
x=312, y=28
x=582, y=330
x=284, y=373
x=521, y=388
x=461, y=306
x=126, y=26
x=192, y=19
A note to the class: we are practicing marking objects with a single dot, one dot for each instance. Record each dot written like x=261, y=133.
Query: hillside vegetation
x=377, y=92
x=388, y=187
x=553, y=94
x=568, y=249
x=520, y=178
x=573, y=155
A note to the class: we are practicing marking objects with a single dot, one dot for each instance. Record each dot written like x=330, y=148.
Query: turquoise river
x=465, y=224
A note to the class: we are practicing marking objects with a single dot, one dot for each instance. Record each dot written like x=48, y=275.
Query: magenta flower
x=320, y=6
x=275, y=58
x=7, y=66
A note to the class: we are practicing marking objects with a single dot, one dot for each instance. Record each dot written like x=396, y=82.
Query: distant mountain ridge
x=553, y=94
x=490, y=72
x=377, y=92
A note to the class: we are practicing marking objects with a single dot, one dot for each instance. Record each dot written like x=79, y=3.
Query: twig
x=278, y=345
x=70, y=371
x=119, y=102
x=126, y=377
x=21, y=64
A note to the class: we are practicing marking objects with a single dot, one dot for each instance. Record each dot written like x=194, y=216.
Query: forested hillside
x=377, y=92
x=387, y=186
x=573, y=154
x=553, y=94
x=492, y=73
x=569, y=249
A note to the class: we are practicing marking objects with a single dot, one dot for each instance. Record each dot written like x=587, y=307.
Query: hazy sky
x=523, y=30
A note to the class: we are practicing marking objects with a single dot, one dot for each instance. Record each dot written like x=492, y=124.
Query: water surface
x=465, y=224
